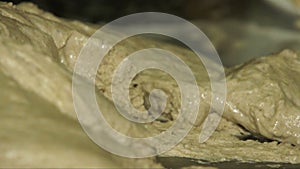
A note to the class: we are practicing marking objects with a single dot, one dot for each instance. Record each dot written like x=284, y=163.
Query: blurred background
x=240, y=30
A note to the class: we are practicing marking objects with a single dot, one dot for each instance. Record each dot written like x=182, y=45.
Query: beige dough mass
x=39, y=127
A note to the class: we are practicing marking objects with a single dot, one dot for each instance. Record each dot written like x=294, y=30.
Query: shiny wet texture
x=39, y=127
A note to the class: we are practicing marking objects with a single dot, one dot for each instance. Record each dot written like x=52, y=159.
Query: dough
x=263, y=96
x=40, y=128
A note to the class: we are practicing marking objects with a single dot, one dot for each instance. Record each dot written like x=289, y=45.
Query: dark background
x=108, y=10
